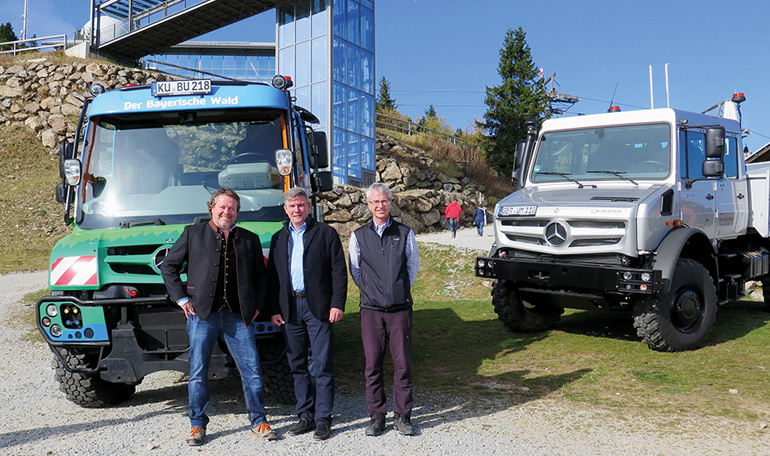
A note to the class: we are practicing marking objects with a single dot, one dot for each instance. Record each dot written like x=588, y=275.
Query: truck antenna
x=612, y=100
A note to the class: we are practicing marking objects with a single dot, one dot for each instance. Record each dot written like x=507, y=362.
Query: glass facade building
x=243, y=61
x=327, y=47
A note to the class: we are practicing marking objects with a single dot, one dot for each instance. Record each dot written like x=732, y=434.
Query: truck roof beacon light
x=282, y=82
x=614, y=109
x=97, y=89
x=739, y=97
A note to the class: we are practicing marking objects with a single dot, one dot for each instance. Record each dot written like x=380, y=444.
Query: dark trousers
x=378, y=330
x=303, y=331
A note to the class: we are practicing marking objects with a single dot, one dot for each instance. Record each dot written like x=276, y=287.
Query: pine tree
x=6, y=34
x=520, y=97
x=384, y=100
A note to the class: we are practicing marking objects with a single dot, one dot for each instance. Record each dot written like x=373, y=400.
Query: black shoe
x=375, y=428
x=404, y=425
x=302, y=427
x=322, y=431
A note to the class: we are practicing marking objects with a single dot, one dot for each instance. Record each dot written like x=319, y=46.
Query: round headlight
x=51, y=310
x=646, y=276
x=56, y=330
x=46, y=322
x=627, y=275
x=480, y=263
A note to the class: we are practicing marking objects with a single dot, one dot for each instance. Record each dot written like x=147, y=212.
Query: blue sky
x=446, y=52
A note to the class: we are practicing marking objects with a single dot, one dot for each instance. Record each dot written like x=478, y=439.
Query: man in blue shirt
x=308, y=289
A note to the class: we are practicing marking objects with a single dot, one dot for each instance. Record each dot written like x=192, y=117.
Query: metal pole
x=24, y=22
x=652, y=103
x=668, y=98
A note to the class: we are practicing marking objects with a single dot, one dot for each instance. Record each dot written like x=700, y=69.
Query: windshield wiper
x=617, y=173
x=564, y=175
x=141, y=222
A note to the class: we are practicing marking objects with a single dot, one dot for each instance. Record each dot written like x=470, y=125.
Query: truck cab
x=143, y=164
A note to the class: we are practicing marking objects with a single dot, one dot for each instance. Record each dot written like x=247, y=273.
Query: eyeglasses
x=380, y=203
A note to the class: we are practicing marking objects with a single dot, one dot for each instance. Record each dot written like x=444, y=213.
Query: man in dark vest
x=226, y=289
x=384, y=261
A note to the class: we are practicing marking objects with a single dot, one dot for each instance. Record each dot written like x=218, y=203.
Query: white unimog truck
x=653, y=212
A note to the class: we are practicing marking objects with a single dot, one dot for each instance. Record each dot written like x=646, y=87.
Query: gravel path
x=36, y=419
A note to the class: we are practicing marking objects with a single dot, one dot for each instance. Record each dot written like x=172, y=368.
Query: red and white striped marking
x=74, y=270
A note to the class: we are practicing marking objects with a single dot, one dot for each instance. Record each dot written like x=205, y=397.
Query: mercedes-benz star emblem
x=556, y=233
x=158, y=258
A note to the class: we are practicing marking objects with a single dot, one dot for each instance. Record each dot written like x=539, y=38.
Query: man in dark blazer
x=226, y=289
x=308, y=278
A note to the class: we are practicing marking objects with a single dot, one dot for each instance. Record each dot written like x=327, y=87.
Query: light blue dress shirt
x=297, y=249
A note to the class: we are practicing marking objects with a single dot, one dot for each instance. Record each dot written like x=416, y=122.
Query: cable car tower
x=558, y=103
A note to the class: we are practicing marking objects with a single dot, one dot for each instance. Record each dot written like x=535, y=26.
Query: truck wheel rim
x=687, y=310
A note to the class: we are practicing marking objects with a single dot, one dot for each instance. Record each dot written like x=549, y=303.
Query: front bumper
x=580, y=277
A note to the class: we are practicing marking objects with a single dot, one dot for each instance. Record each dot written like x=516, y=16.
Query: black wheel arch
x=685, y=243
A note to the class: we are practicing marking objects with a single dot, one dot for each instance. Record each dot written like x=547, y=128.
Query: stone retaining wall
x=47, y=96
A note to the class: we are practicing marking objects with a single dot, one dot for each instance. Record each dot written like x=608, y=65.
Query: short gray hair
x=378, y=187
x=294, y=193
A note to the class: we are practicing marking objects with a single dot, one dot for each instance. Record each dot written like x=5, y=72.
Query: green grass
x=460, y=348
x=31, y=221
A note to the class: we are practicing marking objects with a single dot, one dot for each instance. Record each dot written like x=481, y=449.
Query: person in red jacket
x=452, y=213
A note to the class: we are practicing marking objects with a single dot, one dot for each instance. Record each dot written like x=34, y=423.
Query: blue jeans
x=453, y=225
x=480, y=228
x=240, y=341
x=303, y=331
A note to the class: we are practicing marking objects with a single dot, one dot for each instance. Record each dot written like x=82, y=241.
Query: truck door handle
x=740, y=196
x=709, y=197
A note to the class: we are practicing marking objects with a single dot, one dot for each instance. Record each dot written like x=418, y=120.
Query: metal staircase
x=131, y=29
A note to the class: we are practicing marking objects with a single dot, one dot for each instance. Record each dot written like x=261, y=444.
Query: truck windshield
x=628, y=153
x=155, y=171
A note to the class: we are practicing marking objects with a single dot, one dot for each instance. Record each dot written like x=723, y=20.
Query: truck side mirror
x=322, y=181
x=518, y=154
x=66, y=152
x=713, y=168
x=61, y=192
x=319, y=153
x=715, y=142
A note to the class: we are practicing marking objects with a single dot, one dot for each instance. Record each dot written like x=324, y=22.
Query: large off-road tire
x=682, y=318
x=276, y=373
x=521, y=312
x=87, y=390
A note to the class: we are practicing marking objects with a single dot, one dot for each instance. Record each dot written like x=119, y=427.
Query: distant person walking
x=452, y=213
x=480, y=219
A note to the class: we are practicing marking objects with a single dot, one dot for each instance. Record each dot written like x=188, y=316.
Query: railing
x=110, y=32
x=411, y=128
x=62, y=44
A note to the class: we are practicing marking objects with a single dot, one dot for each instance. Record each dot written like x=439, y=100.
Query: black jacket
x=198, y=246
x=324, y=268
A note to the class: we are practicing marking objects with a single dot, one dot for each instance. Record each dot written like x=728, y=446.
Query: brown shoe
x=264, y=431
x=197, y=437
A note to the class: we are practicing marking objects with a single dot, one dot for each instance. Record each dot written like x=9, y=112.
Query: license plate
x=506, y=211
x=175, y=88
